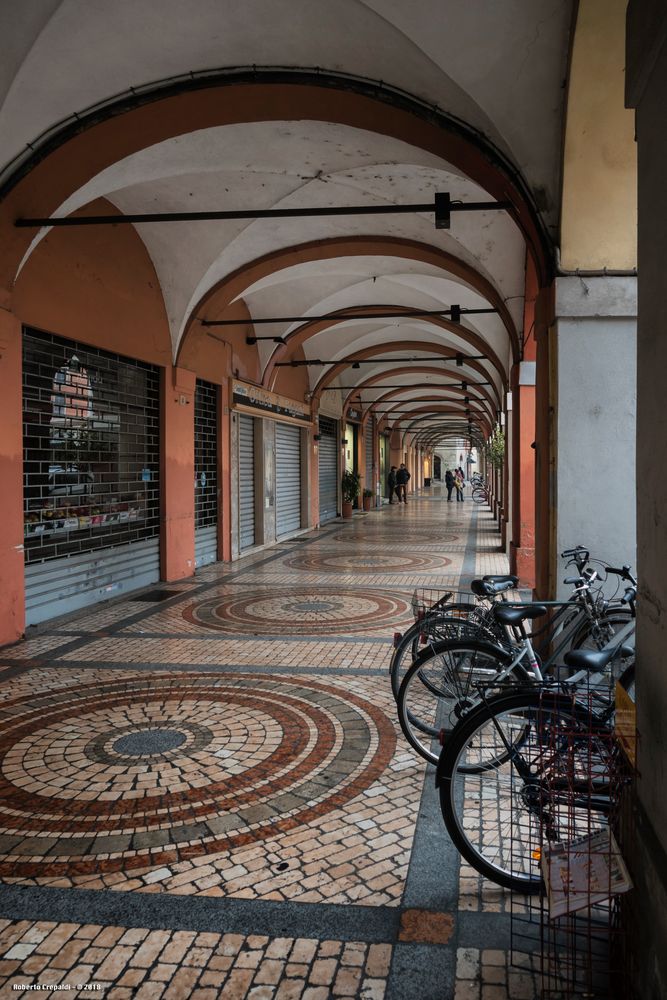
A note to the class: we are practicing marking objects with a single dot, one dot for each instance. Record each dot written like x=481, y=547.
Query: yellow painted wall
x=599, y=210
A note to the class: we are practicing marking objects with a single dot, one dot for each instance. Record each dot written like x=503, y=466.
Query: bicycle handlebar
x=624, y=573
x=629, y=595
x=569, y=553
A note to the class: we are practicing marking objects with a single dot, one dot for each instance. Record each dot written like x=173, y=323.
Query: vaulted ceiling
x=471, y=103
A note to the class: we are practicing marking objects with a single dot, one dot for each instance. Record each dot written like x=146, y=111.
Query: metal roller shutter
x=91, y=475
x=246, y=482
x=206, y=473
x=328, y=469
x=368, y=456
x=288, y=479
x=59, y=586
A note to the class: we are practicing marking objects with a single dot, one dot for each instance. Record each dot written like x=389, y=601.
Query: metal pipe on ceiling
x=454, y=311
x=380, y=361
x=441, y=207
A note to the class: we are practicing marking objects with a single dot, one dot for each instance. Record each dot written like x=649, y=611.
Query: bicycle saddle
x=514, y=615
x=512, y=581
x=594, y=660
x=492, y=586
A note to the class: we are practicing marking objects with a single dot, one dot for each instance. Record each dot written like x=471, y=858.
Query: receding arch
x=213, y=304
x=116, y=129
x=308, y=330
x=393, y=347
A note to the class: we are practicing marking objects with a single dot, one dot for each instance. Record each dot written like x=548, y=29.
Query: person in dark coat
x=449, y=483
x=402, y=479
x=391, y=483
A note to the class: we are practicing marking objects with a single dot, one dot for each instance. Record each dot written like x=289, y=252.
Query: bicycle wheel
x=443, y=684
x=455, y=621
x=547, y=746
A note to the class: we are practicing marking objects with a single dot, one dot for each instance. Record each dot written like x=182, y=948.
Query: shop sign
x=255, y=400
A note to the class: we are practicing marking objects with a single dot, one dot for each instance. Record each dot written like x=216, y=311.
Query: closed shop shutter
x=368, y=460
x=91, y=475
x=206, y=473
x=246, y=482
x=288, y=479
x=328, y=469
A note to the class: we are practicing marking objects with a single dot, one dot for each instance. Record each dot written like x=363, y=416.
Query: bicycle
x=440, y=618
x=519, y=756
x=443, y=683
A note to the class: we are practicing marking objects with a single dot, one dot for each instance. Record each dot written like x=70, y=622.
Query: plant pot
x=347, y=508
x=367, y=502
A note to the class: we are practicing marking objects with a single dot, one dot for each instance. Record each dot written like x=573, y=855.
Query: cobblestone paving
x=209, y=796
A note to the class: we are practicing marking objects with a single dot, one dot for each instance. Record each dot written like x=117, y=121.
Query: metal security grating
x=90, y=448
x=206, y=454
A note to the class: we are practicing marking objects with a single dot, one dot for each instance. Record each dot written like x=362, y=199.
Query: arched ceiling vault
x=167, y=134
x=370, y=390
x=424, y=415
x=472, y=370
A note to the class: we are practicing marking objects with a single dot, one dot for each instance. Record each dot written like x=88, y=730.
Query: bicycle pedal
x=397, y=638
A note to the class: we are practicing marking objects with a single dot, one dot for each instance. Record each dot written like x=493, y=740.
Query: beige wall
x=599, y=209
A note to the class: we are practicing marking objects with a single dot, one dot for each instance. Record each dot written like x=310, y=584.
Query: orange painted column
x=523, y=473
x=177, y=536
x=522, y=547
x=545, y=448
x=314, y=495
x=12, y=574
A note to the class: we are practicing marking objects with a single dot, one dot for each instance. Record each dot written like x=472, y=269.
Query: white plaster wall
x=595, y=476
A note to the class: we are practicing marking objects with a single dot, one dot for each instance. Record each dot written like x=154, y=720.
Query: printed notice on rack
x=583, y=872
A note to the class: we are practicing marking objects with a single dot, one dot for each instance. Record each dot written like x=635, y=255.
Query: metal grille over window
x=90, y=448
x=369, y=436
x=206, y=454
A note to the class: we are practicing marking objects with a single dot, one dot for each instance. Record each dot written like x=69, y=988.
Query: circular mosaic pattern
x=115, y=775
x=150, y=742
x=371, y=563
x=392, y=539
x=300, y=612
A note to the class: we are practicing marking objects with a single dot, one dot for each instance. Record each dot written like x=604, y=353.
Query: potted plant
x=351, y=484
x=367, y=496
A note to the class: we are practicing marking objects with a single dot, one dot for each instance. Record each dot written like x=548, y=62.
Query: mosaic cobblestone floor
x=210, y=797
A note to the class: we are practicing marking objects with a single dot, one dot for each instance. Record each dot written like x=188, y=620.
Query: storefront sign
x=252, y=399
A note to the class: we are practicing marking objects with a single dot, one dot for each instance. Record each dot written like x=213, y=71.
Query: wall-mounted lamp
x=317, y=437
x=459, y=361
x=344, y=441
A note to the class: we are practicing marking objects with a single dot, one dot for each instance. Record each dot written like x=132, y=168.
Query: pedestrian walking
x=402, y=479
x=449, y=484
x=459, y=482
x=391, y=483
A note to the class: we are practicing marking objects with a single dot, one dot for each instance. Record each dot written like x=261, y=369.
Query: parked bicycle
x=443, y=683
x=530, y=765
